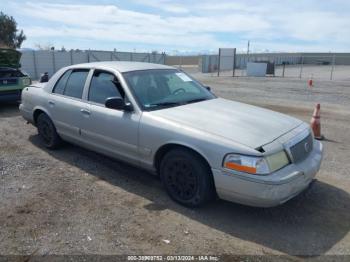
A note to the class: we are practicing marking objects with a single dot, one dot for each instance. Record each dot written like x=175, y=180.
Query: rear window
x=75, y=83
x=72, y=83
x=61, y=83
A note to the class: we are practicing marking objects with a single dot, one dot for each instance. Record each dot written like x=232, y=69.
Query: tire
x=187, y=178
x=47, y=132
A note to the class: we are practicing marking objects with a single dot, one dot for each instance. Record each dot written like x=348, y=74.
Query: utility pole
x=219, y=61
x=248, y=46
x=333, y=64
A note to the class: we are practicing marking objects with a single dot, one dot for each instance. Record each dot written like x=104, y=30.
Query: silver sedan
x=160, y=119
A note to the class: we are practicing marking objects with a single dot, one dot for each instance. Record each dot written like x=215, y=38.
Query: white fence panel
x=27, y=63
x=124, y=56
x=62, y=59
x=96, y=56
x=79, y=57
x=37, y=62
x=44, y=62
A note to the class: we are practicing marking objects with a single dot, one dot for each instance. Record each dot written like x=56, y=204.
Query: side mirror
x=208, y=88
x=118, y=104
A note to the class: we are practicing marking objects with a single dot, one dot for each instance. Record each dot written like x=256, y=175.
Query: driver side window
x=104, y=85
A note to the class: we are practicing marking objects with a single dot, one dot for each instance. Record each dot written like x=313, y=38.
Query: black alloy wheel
x=187, y=178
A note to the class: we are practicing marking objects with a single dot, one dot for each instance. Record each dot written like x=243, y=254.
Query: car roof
x=122, y=66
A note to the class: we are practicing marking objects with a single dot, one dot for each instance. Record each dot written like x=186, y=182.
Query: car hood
x=9, y=58
x=242, y=123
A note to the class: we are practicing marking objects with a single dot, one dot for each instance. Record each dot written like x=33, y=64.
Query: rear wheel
x=187, y=178
x=47, y=132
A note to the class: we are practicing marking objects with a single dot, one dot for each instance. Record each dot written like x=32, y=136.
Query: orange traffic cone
x=316, y=123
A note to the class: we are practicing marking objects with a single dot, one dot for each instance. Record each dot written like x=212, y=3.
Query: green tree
x=9, y=34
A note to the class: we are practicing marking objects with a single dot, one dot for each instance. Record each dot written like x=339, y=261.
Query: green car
x=12, y=79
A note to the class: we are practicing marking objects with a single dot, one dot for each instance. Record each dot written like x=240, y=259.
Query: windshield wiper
x=195, y=100
x=166, y=104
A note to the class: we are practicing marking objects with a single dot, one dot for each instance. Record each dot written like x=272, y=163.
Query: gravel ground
x=73, y=201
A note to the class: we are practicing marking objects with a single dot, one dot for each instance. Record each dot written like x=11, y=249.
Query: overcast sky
x=165, y=25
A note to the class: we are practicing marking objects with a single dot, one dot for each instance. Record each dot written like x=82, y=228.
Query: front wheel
x=187, y=178
x=47, y=132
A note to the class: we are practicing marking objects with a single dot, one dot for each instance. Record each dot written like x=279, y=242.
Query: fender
x=181, y=144
x=41, y=109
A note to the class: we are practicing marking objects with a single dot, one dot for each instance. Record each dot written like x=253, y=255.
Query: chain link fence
x=323, y=67
x=304, y=66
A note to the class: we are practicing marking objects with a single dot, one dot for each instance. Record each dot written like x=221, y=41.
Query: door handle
x=85, y=112
x=51, y=103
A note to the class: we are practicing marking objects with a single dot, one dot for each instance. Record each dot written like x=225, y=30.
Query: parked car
x=161, y=119
x=12, y=79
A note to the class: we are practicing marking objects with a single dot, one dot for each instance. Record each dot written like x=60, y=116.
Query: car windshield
x=155, y=89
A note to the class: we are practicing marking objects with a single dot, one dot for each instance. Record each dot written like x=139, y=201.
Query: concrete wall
x=37, y=62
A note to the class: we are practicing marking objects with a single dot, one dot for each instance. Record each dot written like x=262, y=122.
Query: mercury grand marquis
x=161, y=119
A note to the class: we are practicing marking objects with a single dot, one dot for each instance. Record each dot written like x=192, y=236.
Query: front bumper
x=26, y=114
x=270, y=190
x=10, y=96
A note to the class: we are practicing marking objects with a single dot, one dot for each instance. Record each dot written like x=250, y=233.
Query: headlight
x=256, y=165
x=277, y=161
x=26, y=81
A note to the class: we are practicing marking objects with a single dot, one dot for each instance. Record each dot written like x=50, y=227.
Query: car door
x=66, y=105
x=110, y=131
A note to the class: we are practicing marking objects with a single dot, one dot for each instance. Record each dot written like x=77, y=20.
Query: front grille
x=302, y=149
x=8, y=81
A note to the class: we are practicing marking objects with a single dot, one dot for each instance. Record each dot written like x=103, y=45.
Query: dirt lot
x=73, y=201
